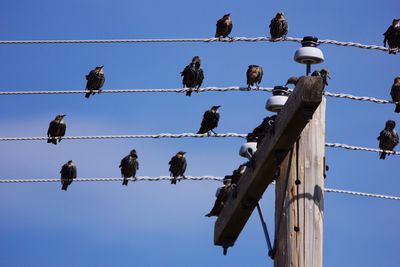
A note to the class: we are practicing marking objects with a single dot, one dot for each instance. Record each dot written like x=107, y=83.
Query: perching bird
x=95, y=80
x=261, y=130
x=254, y=75
x=224, y=26
x=324, y=73
x=388, y=138
x=177, y=166
x=278, y=26
x=129, y=165
x=222, y=195
x=57, y=129
x=392, y=37
x=210, y=120
x=395, y=93
x=292, y=80
x=68, y=173
x=193, y=75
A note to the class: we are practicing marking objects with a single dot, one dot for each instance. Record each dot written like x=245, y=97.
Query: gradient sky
x=155, y=223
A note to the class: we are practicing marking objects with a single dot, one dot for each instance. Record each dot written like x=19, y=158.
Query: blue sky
x=157, y=224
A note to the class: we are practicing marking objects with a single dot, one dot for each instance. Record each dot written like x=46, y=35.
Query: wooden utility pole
x=299, y=204
x=288, y=126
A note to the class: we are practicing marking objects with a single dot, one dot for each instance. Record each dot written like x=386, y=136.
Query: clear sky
x=157, y=224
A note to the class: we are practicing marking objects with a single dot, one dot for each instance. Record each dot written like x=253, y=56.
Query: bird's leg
x=230, y=38
x=258, y=87
x=248, y=88
x=213, y=132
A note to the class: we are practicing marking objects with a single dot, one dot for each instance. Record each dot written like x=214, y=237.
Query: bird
x=392, y=37
x=95, y=80
x=292, y=80
x=68, y=173
x=278, y=26
x=258, y=133
x=324, y=74
x=254, y=75
x=129, y=165
x=388, y=138
x=177, y=166
x=56, y=129
x=221, y=197
x=210, y=120
x=395, y=93
x=224, y=27
x=193, y=75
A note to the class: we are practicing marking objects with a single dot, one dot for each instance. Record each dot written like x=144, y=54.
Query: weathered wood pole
x=299, y=219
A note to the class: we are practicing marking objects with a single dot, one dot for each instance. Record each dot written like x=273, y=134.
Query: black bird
x=254, y=75
x=57, y=129
x=324, y=73
x=261, y=130
x=177, y=166
x=395, y=93
x=129, y=165
x=278, y=26
x=210, y=120
x=224, y=26
x=292, y=80
x=222, y=195
x=392, y=37
x=193, y=75
x=388, y=138
x=68, y=173
x=95, y=80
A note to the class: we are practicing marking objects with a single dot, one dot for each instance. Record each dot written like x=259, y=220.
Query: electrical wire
x=189, y=178
x=194, y=40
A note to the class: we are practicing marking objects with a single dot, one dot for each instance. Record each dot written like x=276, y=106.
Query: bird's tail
x=397, y=110
x=64, y=186
x=173, y=181
x=383, y=155
x=52, y=141
x=125, y=182
x=189, y=92
x=88, y=94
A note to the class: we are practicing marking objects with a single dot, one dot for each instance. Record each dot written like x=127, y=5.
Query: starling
x=68, y=173
x=261, y=130
x=323, y=73
x=392, y=37
x=254, y=75
x=193, y=75
x=292, y=80
x=95, y=80
x=56, y=129
x=222, y=195
x=210, y=120
x=177, y=166
x=388, y=138
x=278, y=26
x=129, y=165
x=224, y=26
x=395, y=93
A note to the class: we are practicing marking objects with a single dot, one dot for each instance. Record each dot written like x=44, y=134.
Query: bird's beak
x=63, y=115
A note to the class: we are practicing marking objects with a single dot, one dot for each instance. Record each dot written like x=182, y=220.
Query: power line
x=201, y=90
x=129, y=136
x=184, y=135
x=194, y=40
x=360, y=148
x=191, y=178
x=113, y=91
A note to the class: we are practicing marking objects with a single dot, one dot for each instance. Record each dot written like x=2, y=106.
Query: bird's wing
x=74, y=172
x=184, y=165
x=216, y=118
x=220, y=25
x=261, y=73
x=230, y=26
x=200, y=78
x=102, y=80
x=285, y=27
x=63, y=128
